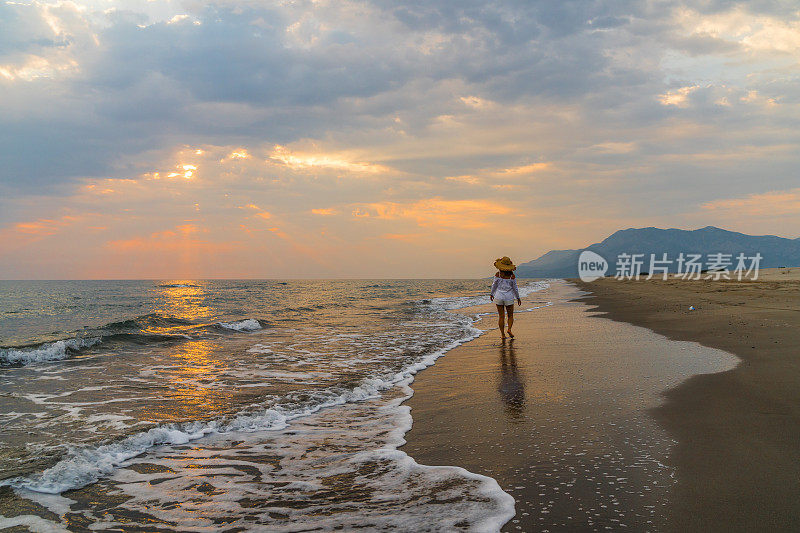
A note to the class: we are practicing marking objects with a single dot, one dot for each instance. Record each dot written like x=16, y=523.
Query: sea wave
x=82, y=466
x=394, y=491
x=460, y=302
x=48, y=351
x=150, y=320
x=147, y=329
x=249, y=324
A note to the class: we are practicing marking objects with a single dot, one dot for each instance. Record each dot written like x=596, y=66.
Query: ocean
x=228, y=405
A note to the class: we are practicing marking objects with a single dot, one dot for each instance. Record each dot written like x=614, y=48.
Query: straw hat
x=504, y=263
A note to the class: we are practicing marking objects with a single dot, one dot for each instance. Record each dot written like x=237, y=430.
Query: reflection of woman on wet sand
x=512, y=390
x=504, y=292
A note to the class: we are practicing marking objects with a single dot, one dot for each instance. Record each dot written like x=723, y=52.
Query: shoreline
x=581, y=405
x=738, y=454
x=15, y=506
x=560, y=416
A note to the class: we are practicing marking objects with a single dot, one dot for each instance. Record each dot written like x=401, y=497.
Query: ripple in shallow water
x=339, y=468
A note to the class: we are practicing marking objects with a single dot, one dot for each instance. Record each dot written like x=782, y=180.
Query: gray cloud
x=251, y=74
x=22, y=29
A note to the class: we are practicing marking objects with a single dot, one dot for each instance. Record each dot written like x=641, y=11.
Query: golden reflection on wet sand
x=511, y=386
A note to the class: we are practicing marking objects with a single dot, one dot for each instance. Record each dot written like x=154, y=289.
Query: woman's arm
x=495, y=283
x=516, y=290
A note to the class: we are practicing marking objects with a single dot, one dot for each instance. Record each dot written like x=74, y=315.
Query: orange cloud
x=112, y=186
x=324, y=212
x=260, y=214
x=45, y=226
x=185, y=170
x=48, y=232
x=405, y=237
x=35, y=67
x=679, y=97
x=524, y=169
x=42, y=226
x=755, y=32
x=181, y=238
x=280, y=233
x=492, y=174
x=188, y=229
x=766, y=204
x=240, y=153
x=476, y=102
x=297, y=160
x=436, y=212
x=163, y=243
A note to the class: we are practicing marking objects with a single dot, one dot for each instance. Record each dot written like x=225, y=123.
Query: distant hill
x=775, y=251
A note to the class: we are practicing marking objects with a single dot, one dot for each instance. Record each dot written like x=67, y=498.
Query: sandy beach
x=636, y=415
x=562, y=416
x=738, y=454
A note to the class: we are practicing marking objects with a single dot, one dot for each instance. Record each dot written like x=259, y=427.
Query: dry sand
x=738, y=432
x=560, y=417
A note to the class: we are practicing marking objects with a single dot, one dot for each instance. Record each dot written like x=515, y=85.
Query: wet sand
x=560, y=416
x=738, y=455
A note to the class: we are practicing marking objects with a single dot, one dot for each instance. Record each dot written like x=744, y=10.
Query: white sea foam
x=31, y=523
x=249, y=324
x=460, y=302
x=405, y=494
x=286, y=376
x=308, y=480
x=50, y=351
x=102, y=421
x=82, y=466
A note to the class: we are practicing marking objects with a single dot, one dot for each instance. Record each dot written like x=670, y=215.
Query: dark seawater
x=289, y=392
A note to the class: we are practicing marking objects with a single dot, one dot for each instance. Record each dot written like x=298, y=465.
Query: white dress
x=504, y=291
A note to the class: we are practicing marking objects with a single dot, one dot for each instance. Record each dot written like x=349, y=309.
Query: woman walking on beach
x=504, y=292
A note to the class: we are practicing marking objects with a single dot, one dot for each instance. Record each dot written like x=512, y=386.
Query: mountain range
x=775, y=251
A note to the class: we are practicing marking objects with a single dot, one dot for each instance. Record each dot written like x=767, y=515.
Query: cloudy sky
x=173, y=139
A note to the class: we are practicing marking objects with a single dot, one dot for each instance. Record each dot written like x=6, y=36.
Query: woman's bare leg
x=510, y=311
x=501, y=320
